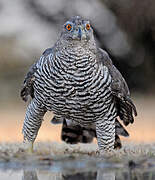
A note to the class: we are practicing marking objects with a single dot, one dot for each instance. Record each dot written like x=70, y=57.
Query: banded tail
x=74, y=133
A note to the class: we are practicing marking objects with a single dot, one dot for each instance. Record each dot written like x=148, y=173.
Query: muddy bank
x=59, y=161
x=49, y=153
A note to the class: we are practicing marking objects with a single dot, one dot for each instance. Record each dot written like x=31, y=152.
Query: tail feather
x=120, y=130
x=74, y=133
x=118, y=143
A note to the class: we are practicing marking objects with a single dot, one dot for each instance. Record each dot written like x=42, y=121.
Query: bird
x=77, y=81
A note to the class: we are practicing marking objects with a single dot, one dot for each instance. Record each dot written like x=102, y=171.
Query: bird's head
x=77, y=29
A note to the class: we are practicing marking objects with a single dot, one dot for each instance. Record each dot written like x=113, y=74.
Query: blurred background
x=124, y=28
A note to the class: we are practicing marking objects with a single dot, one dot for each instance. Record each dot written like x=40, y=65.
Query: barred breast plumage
x=75, y=89
x=75, y=80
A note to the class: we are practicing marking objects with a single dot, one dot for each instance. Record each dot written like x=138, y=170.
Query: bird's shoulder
x=118, y=84
x=47, y=51
x=43, y=58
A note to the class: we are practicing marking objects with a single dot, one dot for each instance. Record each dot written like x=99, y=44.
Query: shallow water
x=101, y=174
x=83, y=169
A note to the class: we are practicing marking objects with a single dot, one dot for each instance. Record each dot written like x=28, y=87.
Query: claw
x=30, y=148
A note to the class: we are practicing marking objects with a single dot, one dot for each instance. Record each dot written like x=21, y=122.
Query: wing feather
x=125, y=107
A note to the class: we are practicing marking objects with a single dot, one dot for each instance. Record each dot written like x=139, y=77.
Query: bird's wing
x=27, y=89
x=125, y=107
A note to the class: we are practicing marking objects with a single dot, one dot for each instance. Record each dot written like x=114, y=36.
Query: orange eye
x=68, y=27
x=88, y=26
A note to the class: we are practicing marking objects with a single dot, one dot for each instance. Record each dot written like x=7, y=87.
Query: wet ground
x=104, y=172
x=59, y=161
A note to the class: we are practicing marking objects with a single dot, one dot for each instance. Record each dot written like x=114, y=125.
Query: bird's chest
x=76, y=89
x=73, y=83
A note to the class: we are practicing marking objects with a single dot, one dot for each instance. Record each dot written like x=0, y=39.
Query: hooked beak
x=80, y=34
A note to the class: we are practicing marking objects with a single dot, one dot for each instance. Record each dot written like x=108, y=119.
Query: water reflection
x=96, y=175
x=81, y=176
x=37, y=175
x=30, y=175
x=106, y=175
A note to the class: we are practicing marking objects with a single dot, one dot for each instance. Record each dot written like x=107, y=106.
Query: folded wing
x=125, y=107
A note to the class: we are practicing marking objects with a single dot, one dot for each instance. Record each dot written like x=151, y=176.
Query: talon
x=30, y=148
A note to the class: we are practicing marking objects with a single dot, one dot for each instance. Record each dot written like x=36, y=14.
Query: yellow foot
x=105, y=152
x=30, y=148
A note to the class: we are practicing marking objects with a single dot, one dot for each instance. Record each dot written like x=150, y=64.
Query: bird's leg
x=33, y=120
x=30, y=147
x=105, y=131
